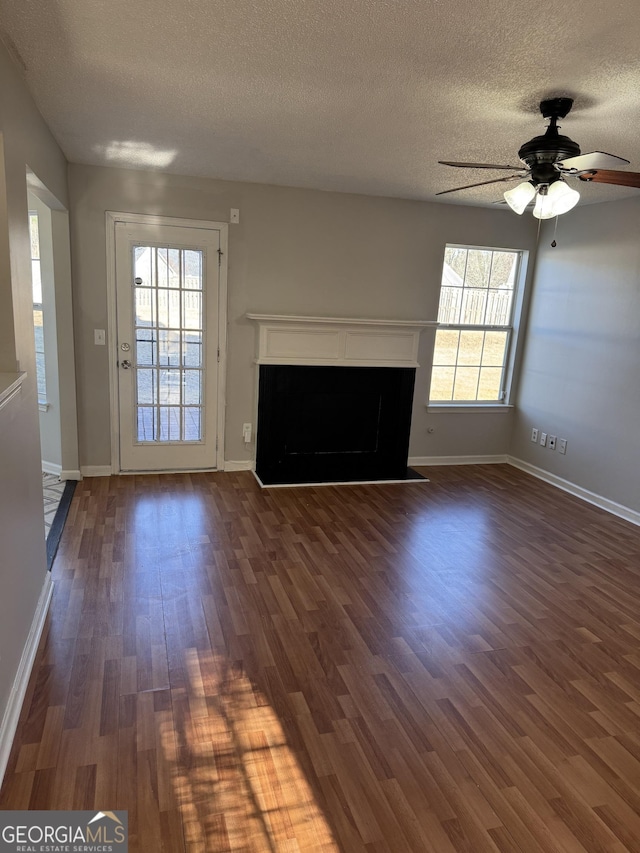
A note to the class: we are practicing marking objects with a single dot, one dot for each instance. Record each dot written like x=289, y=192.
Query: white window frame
x=512, y=329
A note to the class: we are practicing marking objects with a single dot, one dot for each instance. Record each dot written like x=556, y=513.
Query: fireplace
x=332, y=424
x=334, y=398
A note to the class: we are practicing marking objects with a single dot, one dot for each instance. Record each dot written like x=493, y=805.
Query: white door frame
x=148, y=219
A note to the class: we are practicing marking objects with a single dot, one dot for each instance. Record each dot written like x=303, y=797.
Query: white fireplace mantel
x=339, y=341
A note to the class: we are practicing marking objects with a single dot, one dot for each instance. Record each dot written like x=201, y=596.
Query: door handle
x=126, y=364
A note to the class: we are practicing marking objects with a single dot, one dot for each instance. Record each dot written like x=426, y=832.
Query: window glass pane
x=495, y=344
x=478, y=268
x=446, y=349
x=450, y=304
x=503, y=270
x=442, y=383
x=470, y=351
x=169, y=423
x=36, y=281
x=490, y=383
x=474, y=303
x=456, y=260
x=39, y=339
x=499, y=307
x=466, y=383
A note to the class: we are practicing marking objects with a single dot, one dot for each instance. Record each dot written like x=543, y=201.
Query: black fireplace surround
x=333, y=424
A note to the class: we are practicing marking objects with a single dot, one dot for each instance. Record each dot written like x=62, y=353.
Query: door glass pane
x=147, y=423
x=192, y=270
x=147, y=387
x=192, y=423
x=192, y=349
x=192, y=310
x=168, y=302
x=192, y=387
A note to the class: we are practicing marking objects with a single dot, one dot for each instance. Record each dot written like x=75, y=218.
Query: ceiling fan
x=547, y=160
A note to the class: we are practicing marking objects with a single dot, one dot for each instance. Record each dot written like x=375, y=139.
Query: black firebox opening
x=333, y=424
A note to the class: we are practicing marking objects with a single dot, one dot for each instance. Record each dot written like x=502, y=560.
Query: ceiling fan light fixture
x=562, y=197
x=519, y=197
x=542, y=209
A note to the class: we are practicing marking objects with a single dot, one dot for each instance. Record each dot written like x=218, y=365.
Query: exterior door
x=167, y=295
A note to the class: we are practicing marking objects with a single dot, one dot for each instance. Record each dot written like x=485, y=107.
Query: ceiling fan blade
x=481, y=184
x=609, y=176
x=478, y=165
x=593, y=160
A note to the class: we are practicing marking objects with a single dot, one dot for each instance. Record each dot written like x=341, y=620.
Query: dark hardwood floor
x=444, y=666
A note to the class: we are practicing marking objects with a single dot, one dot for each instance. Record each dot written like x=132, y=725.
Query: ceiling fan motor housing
x=542, y=152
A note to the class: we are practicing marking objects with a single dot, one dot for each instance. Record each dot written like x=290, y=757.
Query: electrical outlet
x=562, y=445
x=543, y=439
x=534, y=435
x=552, y=442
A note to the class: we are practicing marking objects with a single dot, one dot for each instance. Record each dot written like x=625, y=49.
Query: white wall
x=26, y=143
x=580, y=376
x=294, y=252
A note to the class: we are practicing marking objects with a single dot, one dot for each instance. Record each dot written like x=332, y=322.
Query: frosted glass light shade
x=562, y=197
x=542, y=210
x=519, y=197
x=554, y=200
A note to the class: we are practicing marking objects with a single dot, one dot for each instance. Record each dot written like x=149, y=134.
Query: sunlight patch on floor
x=238, y=784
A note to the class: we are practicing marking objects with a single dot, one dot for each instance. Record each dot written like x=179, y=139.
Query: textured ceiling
x=351, y=95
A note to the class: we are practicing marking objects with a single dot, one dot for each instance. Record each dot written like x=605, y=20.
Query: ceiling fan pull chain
x=555, y=231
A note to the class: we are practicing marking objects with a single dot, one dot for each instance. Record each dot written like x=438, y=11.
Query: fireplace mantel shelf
x=340, y=341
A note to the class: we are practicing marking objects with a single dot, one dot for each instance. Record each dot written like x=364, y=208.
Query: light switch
x=99, y=337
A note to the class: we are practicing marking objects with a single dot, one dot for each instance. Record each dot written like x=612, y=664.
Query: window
x=478, y=297
x=38, y=328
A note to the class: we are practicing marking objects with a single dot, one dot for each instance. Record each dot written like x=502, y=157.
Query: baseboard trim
x=620, y=510
x=71, y=474
x=51, y=468
x=416, y=461
x=16, y=697
x=96, y=470
x=245, y=465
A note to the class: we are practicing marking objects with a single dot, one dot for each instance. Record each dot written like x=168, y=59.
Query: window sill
x=478, y=408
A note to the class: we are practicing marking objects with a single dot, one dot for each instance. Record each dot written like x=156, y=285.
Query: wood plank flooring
x=443, y=666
